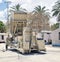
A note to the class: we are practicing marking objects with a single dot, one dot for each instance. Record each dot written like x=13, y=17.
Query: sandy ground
x=52, y=55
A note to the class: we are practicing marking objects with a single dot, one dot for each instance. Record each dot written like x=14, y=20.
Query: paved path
x=52, y=55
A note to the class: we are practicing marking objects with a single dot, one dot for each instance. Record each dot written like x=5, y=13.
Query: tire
x=6, y=47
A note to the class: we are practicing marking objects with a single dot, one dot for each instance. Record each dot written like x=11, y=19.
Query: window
x=2, y=37
x=59, y=35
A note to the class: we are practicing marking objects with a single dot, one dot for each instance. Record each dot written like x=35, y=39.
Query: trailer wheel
x=26, y=52
x=6, y=47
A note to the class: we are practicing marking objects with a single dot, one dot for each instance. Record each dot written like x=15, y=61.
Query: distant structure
x=47, y=36
x=3, y=37
x=55, y=36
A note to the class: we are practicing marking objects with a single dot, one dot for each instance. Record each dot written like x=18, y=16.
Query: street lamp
x=7, y=2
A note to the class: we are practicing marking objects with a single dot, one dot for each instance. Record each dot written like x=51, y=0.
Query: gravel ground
x=52, y=55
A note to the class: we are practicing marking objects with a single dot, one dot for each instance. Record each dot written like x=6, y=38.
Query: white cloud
x=24, y=3
x=13, y=0
x=3, y=16
x=30, y=4
x=0, y=1
x=53, y=20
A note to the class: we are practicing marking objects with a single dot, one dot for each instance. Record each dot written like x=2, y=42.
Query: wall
x=4, y=35
x=55, y=37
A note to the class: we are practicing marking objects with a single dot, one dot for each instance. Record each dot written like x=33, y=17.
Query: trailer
x=23, y=38
x=28, y=42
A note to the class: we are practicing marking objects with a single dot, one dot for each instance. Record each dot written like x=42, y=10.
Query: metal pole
x=59, y=25
x=7, y=2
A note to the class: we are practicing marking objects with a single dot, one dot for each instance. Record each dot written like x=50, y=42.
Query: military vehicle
x=28, y=42
x=25, y=39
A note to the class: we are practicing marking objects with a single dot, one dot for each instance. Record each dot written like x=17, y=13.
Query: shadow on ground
x=31, y=53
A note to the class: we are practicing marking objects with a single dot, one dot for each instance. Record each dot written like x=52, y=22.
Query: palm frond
x=43, y=8
x=55, y=13
x=56, y=8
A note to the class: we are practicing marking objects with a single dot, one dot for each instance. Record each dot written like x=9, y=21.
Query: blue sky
x=28, y=4
x=2, y=6
x=3, y=12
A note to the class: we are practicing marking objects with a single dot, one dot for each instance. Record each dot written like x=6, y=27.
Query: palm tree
x=56, y=8
x=2, y=27
x=56, y=11
x=42, y=14
x=39, y=9
x=17, y=8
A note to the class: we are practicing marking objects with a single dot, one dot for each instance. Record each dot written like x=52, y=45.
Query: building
x=47, y=36
x=3, y=37
x=55, y=36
